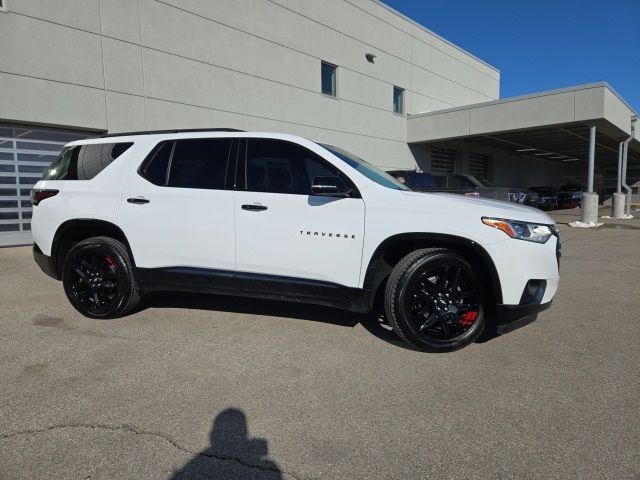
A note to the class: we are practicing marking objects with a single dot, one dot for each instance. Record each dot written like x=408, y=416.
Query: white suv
x=279, y=216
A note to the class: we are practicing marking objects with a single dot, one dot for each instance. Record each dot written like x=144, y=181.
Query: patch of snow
x=579, y=224
x=624, y=217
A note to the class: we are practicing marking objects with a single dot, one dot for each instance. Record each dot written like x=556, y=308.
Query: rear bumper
x=46, y=264
x=510, y=317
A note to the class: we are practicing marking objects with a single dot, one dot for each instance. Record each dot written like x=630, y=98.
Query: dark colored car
x=487, y=190
x=547, y=197
x=464, y=184
x=570, y=195
x=415, y=180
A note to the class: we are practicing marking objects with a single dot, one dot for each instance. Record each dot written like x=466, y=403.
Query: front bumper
x=46, y=264
x=511, y=317
x=529, y=277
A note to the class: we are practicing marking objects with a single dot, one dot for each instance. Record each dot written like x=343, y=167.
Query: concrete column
x=590, y=207
x=619, y=184
x=618, y=199
x=617, y=205
x=590, y=199
x=592, y=157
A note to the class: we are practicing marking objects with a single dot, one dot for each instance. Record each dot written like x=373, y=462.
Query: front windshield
x=366, y=169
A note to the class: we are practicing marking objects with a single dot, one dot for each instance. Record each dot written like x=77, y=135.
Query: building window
x=329, y=76
x=398, y=100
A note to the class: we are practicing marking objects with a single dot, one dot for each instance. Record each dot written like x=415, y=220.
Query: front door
x=282, y=229
x=178, y=211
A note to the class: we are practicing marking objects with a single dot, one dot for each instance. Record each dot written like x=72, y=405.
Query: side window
x=276, y=166
x=457, y=181
x=156, y=165
x=441, y=181
x=84, y=162
x=65, y=167
x=199, y=163
x=422, y=180
x=316, y=169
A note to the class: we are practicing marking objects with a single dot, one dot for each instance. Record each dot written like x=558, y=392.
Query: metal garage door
x=25, y=153
x=443, y=160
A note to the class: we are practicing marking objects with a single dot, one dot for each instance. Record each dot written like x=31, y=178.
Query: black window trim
x=241, y=168
x=168, y=172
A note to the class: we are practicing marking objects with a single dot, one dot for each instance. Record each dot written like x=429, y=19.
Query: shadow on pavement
x=251, y=306
x=232, y=454
x=375, y=322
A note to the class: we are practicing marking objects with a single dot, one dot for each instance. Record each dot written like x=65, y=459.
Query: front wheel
x=434, y=300
x=98, y=278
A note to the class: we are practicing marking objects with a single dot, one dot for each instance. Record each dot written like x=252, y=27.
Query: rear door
x=282, y=229
x=178, y=211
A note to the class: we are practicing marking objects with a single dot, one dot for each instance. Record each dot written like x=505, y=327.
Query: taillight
x=41, y=194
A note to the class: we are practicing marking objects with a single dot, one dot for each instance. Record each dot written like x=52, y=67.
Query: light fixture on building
x=525, y=150
x=370, y=57
x=571, y=160
x=544, y=154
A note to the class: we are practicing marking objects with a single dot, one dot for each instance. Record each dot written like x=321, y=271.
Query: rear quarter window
x=84, y=162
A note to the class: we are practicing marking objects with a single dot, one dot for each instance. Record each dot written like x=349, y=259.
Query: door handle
x=254, y=208
x=137, y=200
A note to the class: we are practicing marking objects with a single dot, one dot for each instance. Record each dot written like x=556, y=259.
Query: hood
x=484, y=207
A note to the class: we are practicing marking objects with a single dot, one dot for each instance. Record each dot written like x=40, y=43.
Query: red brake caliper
x=468, y=318
x=110, y=263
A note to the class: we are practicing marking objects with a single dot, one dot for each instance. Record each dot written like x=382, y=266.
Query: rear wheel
x=434, y=300
x=98, y=278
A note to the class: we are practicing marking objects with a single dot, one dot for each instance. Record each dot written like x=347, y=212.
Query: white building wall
x=117, y=65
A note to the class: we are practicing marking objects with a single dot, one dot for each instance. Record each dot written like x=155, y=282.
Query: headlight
x=531, y=232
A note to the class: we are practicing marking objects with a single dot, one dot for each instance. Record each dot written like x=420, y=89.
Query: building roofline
x=431, y=32
x=575, y=88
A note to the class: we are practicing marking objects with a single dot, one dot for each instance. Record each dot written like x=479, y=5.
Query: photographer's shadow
x=232, y=454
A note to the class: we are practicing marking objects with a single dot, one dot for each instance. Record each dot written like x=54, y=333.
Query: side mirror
x=330, y=187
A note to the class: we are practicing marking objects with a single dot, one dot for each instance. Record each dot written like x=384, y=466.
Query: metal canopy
x=565, y=143
x=553, y=125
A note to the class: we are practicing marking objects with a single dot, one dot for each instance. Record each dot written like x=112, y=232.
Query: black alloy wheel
x=434, y=300
x=98, y=278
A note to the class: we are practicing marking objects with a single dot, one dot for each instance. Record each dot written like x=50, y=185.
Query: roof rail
x=186, y=130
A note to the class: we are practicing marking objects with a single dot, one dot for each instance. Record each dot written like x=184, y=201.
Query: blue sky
x=543, y=44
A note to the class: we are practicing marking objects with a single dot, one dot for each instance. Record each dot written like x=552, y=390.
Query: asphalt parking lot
x=214, y=387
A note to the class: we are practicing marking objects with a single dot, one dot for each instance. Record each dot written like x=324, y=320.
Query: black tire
x=431, y=308
x=98, y=278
